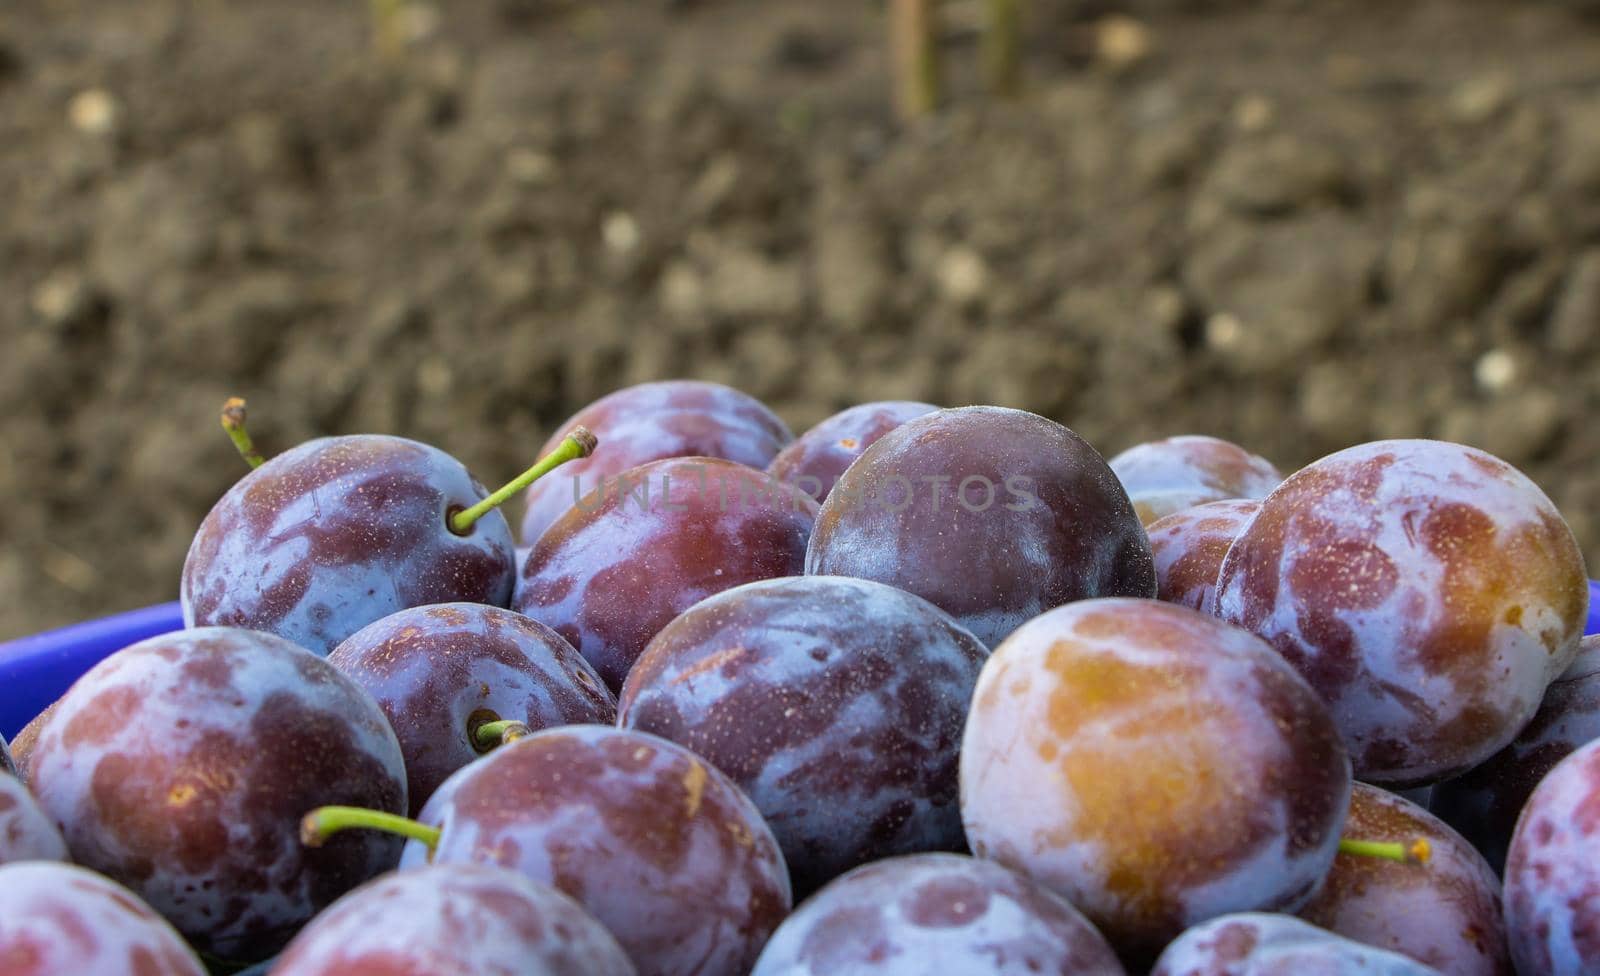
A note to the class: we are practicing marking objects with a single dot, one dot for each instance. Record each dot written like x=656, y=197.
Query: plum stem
x=491, y=734
x=233, y=423
x=1417, y=851
x=323, y=822
x=579, y=443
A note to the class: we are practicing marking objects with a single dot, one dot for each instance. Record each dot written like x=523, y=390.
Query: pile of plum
x=922, y=691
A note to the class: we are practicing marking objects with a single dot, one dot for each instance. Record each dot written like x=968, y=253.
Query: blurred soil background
x=1298, y=225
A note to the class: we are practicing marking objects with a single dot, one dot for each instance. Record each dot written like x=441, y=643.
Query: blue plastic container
x=34, y=671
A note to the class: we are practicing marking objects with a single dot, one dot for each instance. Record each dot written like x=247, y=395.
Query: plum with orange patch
x=816, y=459
x=657, y=844
x=936, y=913
x=439, y=672
x=1169, y=475
x=1445, y=913
x=1264, y=944
x=1154, y=766
x=1429, y=592
x=835, y=703
x=181, y=766
x=1552, y=883
x=1189, y=546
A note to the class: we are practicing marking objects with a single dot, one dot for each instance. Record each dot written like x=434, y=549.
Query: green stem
x=913, y=56
x=491, y=734
x=1002, y=43
x=233, y=423
x=1418, y=851
x=323, y=822
x=578, y=444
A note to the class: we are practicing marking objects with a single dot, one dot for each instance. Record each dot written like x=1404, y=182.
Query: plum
x=6, y=763
x=443, y=673
x=59, y=919
x=1428, y=591
x=1552, y=886
x=329, y=536
x=835, y=703
x=649, y=422
x=180, y=766
x=26, y=834
x=459, y=918
x=992, y=515
x=1188, y=546
x=814, y=462
x=660, y=846
x=1446, y=914
x=1261, y=944
x=1167, y=476
x=1483, y=803
x=23, y=742
x=636, y=553
x=936, y=913
x=1153, y=765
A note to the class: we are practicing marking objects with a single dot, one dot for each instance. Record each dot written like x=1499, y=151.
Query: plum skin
x=26, y=834
x=816, y=459
x=432, y=669
x=1167, y=476
x=1264, y=944
x=1154, y=766
x=1429, y=592
x=180, y=766
x=1189, y=547
x=338, y=532
x=837, y=704
x=1552, y=883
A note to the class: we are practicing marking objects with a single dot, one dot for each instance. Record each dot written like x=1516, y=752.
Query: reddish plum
x=442, y=673
x=60, y=919
x=336, y=533
x=637, y=552
x=836, y=704
x=1428, y=591
x=992, y=515
x=649, y=422
x=180, y=767
x=458, y=918
x=1154, y=766
x=936, y=913
x=1167, y=476
x=656, y=843
x=814, y=462
x=26, y=834
x=1189, y=546
x=1258, y=944
x=1483, y=803
x=1445, y=913
x=1552, y=890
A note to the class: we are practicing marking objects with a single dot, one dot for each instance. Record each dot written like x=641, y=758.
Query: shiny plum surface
x=656, y=843
x=339, y=532
x=1429, y=592
x=1552, y=884
x=1189, y=545
x=181, y=767
x=1154, y=766
x=837, y=704
x=618, y=567
x=439, y=671
x=1258, y=944
x=649, y=422
x=816, y=459
x=992, y=515
x=1167, y=476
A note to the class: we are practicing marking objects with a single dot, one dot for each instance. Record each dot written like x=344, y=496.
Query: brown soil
x=1295, y=224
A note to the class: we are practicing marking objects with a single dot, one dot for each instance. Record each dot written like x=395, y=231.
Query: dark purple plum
x=1429, y=592
x=181, y=766
x=656, y=843
x=1552, y=888
x=637, y=552
x=1154, y=766
x=1170, y=475
x=992, y=515
x=441, y=672
x=936, y=913
x=1259, y=944
x=1483, y=803
x=1445, y=913
x=454, y=918
x=329, y=536
x=649, y=422
x=1189, y=546
x=57, y=919
x=814, y=462
x=835, y=703
x=26, y=834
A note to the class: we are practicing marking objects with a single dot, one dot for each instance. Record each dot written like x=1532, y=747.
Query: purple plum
x=26, y=834
x=1552, y=888
x=1260, y=944
x=1189, y=546
x=814, y=462
x=1167, y=476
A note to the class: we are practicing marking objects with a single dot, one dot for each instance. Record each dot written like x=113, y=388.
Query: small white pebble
x=93, y=111
x=1495, y=371
x=1224, y=331
x=620, y=232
